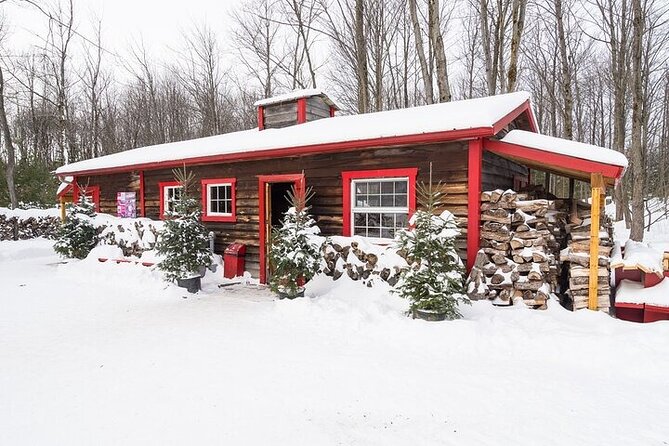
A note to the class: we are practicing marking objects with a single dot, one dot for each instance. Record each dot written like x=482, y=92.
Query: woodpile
x=349, y=259
x=575, y=259
x=517, y=261
x=15, y=228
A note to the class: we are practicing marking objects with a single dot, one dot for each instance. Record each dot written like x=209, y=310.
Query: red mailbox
x=233, y=260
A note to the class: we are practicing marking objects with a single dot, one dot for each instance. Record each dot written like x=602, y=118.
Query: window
x=170, y=194
x=218, y=200
x=377, y=203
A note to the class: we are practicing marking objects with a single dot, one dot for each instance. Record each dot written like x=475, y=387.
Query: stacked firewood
x=346, y=257
x=576, y=260
x=517, y=260
x=14, y=228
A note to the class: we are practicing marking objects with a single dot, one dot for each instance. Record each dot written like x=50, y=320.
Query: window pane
x=214, y=192
x=387, y=233
x=227, y=208
x=401, y=200
x=361, y=202
x=374, y=187
x=387, y=187
x=400, y=187
x=401, y=221
x=359, y=219
x=373, y=220
x=387, y=201
x=374, y=201
x=361, y=188
x=388, y=220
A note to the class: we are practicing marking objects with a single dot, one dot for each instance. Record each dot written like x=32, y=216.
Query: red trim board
x=410, y=172
x=220, y=218
x=553, y=159
x=301, y=110
x=474, y=167
x=299, y=182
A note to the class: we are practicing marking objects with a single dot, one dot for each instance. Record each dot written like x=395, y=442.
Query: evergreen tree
x=77, y=236
x=434, y=279
x=184, y=241
x=294, y=255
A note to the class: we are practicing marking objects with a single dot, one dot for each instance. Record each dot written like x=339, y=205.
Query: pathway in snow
x=94, y=353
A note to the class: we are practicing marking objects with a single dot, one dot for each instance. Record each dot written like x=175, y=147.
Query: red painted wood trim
x=332, y=111
x=93, y=191
x=161, y=191
x=67, y=189
x=348, y=176
x=261, y=117
x=474, y=167
x=301, y=110
x=515, y=113
x=553, y=159
x=422, y=138
x=142, y=206
x=219, y=218
x=299, y=181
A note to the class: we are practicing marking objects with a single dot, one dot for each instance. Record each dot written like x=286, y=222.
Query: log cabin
x=363, y=168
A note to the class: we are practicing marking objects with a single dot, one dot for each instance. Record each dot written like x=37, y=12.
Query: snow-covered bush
x=184, y=242
x=434, y=279
x=295, y=252
x=77, y=235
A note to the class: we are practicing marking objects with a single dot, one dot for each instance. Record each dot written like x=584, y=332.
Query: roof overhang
x=566, y=165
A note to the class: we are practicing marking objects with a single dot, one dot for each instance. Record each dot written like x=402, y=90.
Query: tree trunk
x=519, y=7
x=9, y=147
x=567, y=111
x=637, y=148
x=434, y=24
x=361, y=58
x=418, y=40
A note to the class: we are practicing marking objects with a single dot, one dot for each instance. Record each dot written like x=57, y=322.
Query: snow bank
x=25, y=214
x=635, y=293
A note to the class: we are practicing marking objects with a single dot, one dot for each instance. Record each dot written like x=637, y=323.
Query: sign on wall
x=126, y=204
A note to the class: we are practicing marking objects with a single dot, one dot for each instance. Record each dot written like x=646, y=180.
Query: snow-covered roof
x=291, y=96
x=565, y=147
x=481, y=114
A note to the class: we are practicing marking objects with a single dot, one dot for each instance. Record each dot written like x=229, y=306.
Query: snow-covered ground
x=108, y=354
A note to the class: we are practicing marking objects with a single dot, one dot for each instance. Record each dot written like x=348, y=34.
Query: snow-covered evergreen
x=295, y=253
x=77, y=235
x=434, y=279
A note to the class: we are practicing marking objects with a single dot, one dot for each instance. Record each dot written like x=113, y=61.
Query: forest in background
x=597, y=70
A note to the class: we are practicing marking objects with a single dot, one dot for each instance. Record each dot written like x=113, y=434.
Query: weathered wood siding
x=499, y=173
x=280, y=115
x=323, y=172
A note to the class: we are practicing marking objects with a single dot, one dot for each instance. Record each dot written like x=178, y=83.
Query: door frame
x=263, y=180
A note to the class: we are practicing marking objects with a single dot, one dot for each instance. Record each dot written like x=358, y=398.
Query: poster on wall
x=126, y=206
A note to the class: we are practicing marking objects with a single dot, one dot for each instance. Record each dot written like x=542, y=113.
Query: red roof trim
x=67, y=189
x=513, y=115
x=422, y=138
x=553, y=159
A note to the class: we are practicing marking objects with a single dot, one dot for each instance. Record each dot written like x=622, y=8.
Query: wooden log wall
x=323, y=172
x=499, y=173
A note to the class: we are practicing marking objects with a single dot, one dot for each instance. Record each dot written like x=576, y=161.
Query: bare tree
x=437, y=41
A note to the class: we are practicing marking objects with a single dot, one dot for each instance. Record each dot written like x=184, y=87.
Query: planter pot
x=192, y=284
x=428, y=315
x=291, y=294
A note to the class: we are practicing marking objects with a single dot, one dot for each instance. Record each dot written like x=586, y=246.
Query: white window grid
x=171, y=196
x=226, y=200
x=384, y=206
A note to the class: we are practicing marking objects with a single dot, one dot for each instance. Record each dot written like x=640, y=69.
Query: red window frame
x=205, y=183
x=349, y=176
x=93, y=191
x=161, y=188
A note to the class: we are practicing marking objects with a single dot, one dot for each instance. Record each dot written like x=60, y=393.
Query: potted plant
x=184, y=241
x=434, y=281
x=294, y=255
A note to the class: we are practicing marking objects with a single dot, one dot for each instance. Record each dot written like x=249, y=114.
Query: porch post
x=597, y=185
x=475, y=161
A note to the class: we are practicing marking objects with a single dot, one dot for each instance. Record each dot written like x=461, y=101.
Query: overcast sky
x=157, y=22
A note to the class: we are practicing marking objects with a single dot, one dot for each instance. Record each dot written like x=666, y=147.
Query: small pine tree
x=184, y=241
x=434, y=279
x=294, y=255
x=76, y=236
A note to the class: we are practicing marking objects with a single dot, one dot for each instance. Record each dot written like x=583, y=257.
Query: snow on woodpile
x=480, y=113
x=565, y=147
x=638, y=255
x=133, y=236
x=634, y=293
x=359, y=259
x=22, y=224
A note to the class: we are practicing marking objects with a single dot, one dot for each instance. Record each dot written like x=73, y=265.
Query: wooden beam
x=474, y=167
x=62, y=209
x=597, y=185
